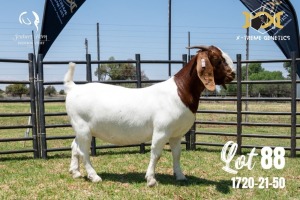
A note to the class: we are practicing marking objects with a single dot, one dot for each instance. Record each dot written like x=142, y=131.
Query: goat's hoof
x=95, y=178
x=151, y=182
x=180, y=177
x=76, y=174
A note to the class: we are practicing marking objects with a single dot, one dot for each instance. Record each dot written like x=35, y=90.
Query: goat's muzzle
x=229, y=77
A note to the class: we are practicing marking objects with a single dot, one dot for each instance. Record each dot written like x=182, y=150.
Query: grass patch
x=123, y=178
x=123, y=170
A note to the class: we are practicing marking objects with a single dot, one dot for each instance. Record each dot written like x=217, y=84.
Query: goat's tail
x=68, y=80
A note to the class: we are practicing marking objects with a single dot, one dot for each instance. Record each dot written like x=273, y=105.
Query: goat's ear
x=205, y=71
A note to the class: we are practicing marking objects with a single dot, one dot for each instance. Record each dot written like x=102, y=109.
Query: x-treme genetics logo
x=269, y=16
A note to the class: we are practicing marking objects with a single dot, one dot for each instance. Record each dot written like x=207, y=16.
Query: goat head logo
x=26, y=21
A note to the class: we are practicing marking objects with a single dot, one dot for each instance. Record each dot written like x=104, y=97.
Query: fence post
x=89, y=79
x=293, y=105
x=239, y=103
x=41, y=105
x=193, y=137
x=36, y=153
x=88, y=68
x=37, y=111
x=188, y=134
x=138, y=71
x=139, y=85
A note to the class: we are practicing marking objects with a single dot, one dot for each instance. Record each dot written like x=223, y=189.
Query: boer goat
x=163, y=112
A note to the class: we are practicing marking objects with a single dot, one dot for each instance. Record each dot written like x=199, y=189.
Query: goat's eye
x=216, y=57
x=218, y=62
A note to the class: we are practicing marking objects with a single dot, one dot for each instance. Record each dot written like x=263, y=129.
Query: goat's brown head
x=213, y=66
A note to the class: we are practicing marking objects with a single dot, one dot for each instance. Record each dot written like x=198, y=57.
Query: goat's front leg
x=175, y=144
x=158, y=142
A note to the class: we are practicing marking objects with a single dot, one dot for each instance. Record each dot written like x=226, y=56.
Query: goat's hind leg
x=83, y=140
x=74, y=166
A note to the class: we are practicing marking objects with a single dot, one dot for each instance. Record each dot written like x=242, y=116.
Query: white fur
x=228, y=60
x=126, y=116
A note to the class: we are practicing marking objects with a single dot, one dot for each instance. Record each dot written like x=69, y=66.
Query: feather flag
x=57, y=14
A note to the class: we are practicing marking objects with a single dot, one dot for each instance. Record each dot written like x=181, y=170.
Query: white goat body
x=124, y=116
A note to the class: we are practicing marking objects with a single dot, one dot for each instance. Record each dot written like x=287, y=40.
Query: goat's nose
x=233, y=74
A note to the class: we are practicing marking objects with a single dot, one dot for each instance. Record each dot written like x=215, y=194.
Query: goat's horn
x=202, y=47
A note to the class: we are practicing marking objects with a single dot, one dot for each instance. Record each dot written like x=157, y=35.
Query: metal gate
x=8, y=128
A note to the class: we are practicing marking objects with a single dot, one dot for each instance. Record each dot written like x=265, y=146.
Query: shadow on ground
x=222, y=186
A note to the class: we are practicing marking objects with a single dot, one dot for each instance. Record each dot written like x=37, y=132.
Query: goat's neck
x=189, y=86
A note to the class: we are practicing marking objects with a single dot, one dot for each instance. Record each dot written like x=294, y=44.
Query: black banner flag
x=57, y=13
x=277, y=18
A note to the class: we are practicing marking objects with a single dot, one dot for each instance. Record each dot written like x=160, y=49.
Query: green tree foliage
x=269, y=90
x=287, y=67
x=1, y=93
x=255, y=73
x=62, y=92
x=50, y=90
x=253, y=68
x=16, y=90
x=118, y=71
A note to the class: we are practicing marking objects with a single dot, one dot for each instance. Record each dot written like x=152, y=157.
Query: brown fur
x=189, y=85
x=193, y=78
